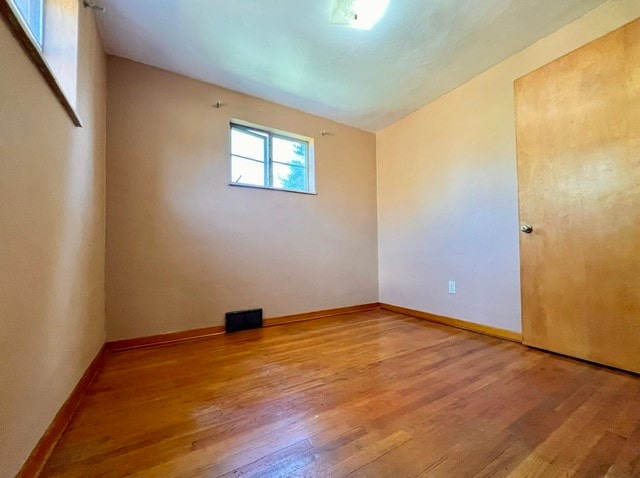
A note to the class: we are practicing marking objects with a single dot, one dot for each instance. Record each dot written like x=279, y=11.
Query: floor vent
x=243, y=320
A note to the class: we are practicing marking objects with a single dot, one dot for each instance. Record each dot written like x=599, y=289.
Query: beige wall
x=447, y=191
x=183, y=246
x=51, y=240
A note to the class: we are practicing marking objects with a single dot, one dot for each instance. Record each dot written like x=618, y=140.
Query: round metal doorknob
x=526, y=228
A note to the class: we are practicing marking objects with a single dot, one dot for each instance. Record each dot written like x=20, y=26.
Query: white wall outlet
x=452, y=287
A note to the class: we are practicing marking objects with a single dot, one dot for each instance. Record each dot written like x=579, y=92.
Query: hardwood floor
x=369, y=394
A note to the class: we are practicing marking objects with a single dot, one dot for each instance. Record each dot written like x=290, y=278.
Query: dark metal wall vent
x=243, y=320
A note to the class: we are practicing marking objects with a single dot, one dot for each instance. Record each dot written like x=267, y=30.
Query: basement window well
x=270, y=159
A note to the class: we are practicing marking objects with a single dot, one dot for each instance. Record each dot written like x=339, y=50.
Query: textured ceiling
x=286, y=51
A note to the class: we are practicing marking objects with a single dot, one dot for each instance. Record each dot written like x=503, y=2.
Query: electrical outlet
x=452, y=287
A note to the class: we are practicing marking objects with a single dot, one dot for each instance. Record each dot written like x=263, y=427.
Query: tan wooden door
x=578, y=144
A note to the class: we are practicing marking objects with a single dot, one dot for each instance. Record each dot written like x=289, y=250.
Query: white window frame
x=270, y=133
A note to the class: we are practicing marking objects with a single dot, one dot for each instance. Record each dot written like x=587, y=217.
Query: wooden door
x=578, y=144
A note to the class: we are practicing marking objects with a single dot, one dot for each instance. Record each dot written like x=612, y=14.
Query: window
x=48, y=32
x=31, y=13
x=268, y=159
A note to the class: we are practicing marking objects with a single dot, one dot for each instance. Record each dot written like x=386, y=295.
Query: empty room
x=300, y=238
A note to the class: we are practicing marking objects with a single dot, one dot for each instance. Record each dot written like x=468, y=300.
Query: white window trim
x=283, y=134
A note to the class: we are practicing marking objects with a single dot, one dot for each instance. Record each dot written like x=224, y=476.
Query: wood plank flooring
x=369, y=394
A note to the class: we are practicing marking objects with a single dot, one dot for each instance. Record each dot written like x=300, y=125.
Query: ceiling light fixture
x=360, y=14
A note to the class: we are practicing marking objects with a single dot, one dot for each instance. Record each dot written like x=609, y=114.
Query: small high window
x=264, y=158
x=31, y=13
x=48, y=32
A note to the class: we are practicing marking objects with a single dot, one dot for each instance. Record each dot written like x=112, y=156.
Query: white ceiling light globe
x=360, y=14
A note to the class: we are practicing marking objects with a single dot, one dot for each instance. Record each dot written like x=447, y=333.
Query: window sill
x=18, y=30
x=251, y=186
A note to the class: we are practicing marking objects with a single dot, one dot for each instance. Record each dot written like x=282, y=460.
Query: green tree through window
x=272, y=160
x=297, y=178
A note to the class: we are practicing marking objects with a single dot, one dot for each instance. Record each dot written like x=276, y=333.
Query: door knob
x=526, y=228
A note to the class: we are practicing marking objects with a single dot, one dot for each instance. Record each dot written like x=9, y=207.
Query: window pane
x=248, y=144
x=246, y=171
x=287, y=176
x=289, y=151
x=31, y=13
